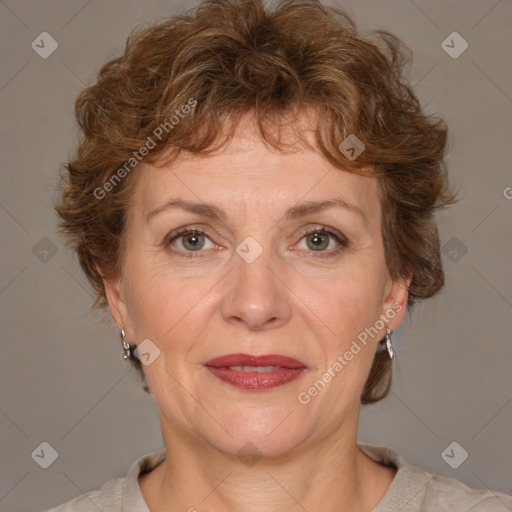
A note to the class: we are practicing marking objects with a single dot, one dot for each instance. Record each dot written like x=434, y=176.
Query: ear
x=114, y=293
x=395, y=300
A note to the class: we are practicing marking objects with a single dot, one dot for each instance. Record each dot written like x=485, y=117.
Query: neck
x=333, y=473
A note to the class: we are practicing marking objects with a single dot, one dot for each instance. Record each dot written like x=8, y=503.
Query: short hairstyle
x=183, y=78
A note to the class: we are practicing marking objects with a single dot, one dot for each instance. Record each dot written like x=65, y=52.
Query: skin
x=289, y=301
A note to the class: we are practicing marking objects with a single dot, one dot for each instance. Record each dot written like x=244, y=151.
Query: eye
x=319, y=240
x=190, y=240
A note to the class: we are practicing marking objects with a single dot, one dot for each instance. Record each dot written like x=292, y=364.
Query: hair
x=182, y=79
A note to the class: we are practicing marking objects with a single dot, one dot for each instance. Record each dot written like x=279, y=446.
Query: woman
x=253, y=197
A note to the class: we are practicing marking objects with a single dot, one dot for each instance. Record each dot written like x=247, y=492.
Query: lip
x=289, y=370
x=251, y=360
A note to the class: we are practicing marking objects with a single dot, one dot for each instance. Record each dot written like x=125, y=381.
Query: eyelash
x=339, y=238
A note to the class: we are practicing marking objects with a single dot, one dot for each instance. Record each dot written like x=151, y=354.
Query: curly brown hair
x=227, y=58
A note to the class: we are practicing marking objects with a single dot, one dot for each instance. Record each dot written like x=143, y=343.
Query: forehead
x=247, y=174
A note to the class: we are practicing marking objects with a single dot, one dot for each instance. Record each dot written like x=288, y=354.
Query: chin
x=261, y=431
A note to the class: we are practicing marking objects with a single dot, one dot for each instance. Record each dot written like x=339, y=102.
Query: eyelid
x=180, y=232
x=320, y=228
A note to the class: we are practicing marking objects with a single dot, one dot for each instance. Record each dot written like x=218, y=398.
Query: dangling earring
x=389, y=345
x=127, y=354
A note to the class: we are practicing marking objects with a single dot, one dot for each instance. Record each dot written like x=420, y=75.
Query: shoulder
x=447, y=493
x=109, y=497
x=117, y=494
x=415, y=489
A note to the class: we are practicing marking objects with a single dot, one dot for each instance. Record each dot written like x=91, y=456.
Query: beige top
x=413, y=490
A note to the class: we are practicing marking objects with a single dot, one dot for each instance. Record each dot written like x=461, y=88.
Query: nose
x=256, y=295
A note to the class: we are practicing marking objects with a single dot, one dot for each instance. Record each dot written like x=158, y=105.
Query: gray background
x=63, y=380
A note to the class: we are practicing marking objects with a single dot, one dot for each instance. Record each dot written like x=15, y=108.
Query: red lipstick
x=255, y=373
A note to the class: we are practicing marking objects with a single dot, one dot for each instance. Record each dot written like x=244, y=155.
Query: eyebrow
x=295, y=212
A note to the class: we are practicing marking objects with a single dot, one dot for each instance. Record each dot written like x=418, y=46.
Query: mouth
x=255, y=373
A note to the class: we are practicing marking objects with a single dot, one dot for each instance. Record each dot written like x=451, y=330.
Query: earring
x=127, y=354
x=389, y=345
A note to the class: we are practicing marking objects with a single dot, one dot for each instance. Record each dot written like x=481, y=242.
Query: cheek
x=164, y=307
x=346, y=301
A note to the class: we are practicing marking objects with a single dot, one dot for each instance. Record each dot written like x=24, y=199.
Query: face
x=272, y=275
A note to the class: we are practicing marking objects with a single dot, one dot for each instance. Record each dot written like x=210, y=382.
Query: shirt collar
x=132, y=498
x=405, y=489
